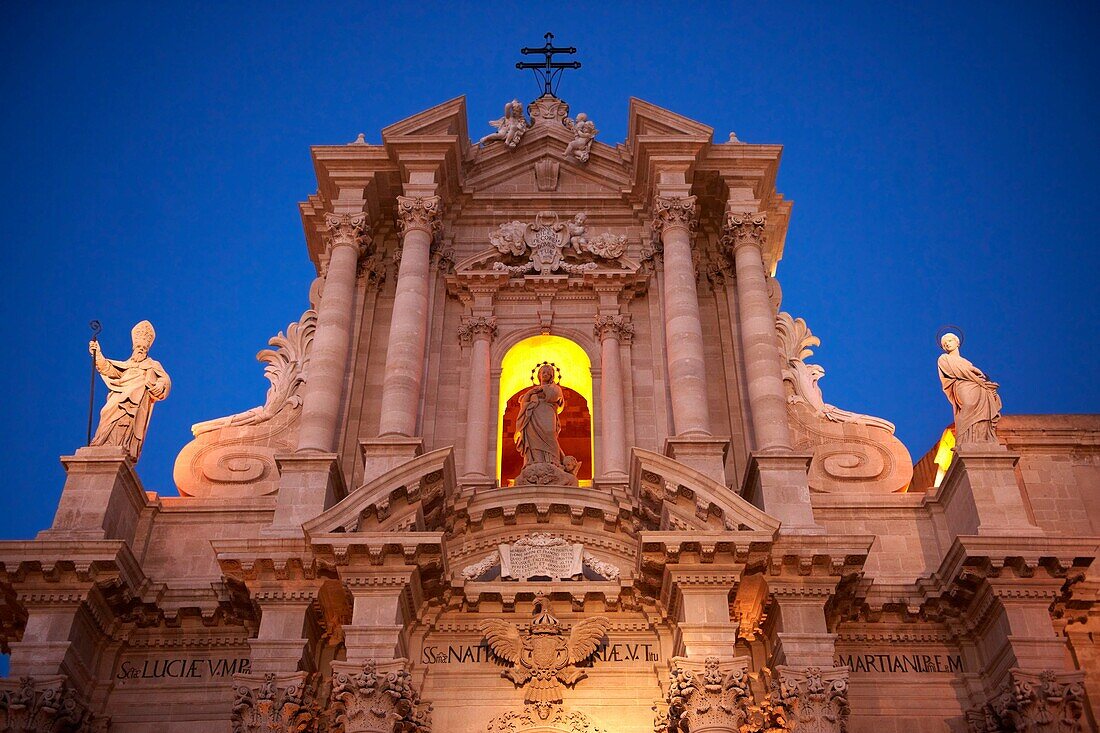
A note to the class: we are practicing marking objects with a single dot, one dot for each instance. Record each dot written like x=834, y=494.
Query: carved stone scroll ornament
x=584, y=132
x=424, y=213
x=566, y=721
x=714, y=695
x=550, y=244
x=673, y=211
x=234, y=456
x=543, y=658
x=853, y=453
x=617, y=326
x=45, y=705
x=1034, y=701
x=369, y=700
x=541, y=555
x=273, y=704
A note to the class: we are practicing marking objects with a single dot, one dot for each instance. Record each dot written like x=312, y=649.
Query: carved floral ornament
x=273, y=704
x=717, y=696
x=670, y=212
x=613, y=326
x=45, y=704
x=475, y=327
x=744, y=228
x=547, y=243
x=424, y=213
x=348, y=230
x=1043, y=701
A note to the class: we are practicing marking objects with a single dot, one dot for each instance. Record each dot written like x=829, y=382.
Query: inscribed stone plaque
x=541, y=555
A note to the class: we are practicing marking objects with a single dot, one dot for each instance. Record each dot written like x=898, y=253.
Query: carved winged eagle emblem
x=544, y=658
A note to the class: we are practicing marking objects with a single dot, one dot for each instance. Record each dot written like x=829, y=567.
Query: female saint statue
x=537, y=425
x=973, y=398
x=133, y=386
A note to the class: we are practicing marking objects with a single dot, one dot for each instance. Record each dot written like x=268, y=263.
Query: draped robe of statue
x=973, y=398
x=537, y=425
x=131, y=385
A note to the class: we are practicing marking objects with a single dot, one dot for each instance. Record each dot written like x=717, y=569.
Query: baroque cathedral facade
x=544, y=454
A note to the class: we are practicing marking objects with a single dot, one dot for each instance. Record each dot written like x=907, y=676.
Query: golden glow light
x=516, y=366
x=945, y=451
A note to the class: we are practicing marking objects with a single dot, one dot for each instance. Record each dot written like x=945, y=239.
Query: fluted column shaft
x=674, y=218
x=323, y=390
x=480, y=332
x=744, y=232
x=611, y=330
x=418, y=219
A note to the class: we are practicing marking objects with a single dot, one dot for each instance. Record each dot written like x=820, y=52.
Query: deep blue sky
x=941, y=160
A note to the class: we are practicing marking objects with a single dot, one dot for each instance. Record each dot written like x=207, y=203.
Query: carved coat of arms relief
x=554, y=246
x=543, y=658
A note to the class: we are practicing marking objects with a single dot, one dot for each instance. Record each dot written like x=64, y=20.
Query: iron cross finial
x=549, y=70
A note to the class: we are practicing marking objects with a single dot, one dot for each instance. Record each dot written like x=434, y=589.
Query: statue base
x=545, y=474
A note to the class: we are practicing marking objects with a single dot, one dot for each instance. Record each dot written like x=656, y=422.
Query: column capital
x=672, y=212
x=744, y=228
x=613, y=326
x=347, y=230
x=419, y=212
x=474, y=328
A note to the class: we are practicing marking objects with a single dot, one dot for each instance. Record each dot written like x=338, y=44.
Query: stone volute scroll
x=541, y=555
x=852, y=453
x=235, y=455
x=134, y=385
x=973, y=396
x=543, y=658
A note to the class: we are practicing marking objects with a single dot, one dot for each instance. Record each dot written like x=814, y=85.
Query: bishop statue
x=133, y=386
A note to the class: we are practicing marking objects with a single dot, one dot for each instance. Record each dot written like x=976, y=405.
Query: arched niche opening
x=517, y=374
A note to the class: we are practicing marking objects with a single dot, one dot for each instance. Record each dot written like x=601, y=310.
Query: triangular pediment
x=496, y=171
x=448, y=118
x=647, y=119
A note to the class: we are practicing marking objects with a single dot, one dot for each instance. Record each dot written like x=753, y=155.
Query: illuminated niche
x=516, y=372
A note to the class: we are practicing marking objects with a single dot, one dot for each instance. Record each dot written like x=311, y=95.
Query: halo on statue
x=539, y=366
x=949, y=328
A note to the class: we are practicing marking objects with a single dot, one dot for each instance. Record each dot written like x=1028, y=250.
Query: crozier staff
x=133, y=386
x=973, y=397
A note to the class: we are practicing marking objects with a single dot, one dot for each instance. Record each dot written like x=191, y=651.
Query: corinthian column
x=744, y=233
x=323, y=391
x=418, y=218
x=611, y=330
x=674, y=219
x=479, y=332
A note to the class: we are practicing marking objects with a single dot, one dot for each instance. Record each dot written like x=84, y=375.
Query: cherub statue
x=510, y=127
x=577, y=229
x=133, y=386
x=584, y=132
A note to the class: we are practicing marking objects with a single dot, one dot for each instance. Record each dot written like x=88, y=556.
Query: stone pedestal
x=705, y=454
x=281, y=643
x=981, y=495
x=776, y=483
x=102, y=499
x=704, y=627
x=309, y=483
x=387, y=452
